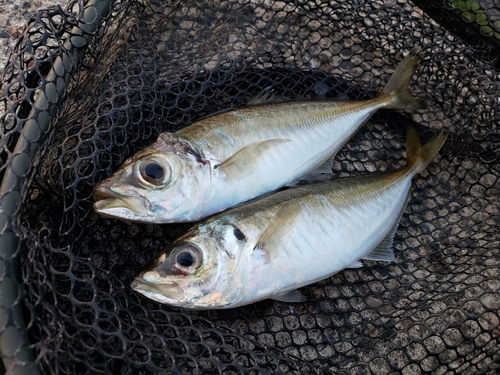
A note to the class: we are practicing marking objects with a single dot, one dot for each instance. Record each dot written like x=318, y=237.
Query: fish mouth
x=169, y=294
x=107, y=200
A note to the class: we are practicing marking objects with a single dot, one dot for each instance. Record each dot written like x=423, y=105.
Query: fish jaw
x=174, y=295
x=108, y=199
x=113, y=204
x=169, y=294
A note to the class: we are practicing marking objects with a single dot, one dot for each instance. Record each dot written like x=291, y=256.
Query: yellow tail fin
x=419, y=156
x=398, y=86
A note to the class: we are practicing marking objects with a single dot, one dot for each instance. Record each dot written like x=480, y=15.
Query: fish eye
x=154, y=172
x=187, y=258
x=239, y=234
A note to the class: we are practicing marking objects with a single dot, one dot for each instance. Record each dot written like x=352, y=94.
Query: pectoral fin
x=279, y=227
x=247, y=159
x=291, y=296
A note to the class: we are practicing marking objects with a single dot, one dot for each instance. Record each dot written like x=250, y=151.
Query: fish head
x=156, y=185
x=198, y=271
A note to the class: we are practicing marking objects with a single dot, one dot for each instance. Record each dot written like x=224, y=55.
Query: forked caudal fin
x=418, y=156
x=398, y=86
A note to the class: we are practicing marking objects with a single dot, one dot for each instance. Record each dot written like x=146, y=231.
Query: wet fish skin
x=271, y=247
x=231, y=158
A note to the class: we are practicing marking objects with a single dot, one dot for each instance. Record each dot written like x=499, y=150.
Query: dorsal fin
x=264, y=97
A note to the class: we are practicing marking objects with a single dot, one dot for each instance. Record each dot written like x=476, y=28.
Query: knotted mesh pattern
x=158, y=66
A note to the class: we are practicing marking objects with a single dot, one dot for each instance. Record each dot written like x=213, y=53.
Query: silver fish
x=271, y=247
x=231, y=158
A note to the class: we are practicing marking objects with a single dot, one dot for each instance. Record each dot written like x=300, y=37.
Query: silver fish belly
x=271, y=247
x=228, y=159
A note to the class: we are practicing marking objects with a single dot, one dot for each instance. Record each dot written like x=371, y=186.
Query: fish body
x=231, y=158
x=271, y=247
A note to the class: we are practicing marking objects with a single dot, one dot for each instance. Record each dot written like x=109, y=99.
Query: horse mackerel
x=271, y=247
x=231, y=158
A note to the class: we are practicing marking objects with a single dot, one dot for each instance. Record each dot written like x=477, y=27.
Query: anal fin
x=383, y=251
x=356, y=264
x=290, y=296
x=322, y=173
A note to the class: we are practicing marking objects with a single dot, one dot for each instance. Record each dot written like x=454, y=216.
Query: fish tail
x=398, y=87
x=419, y=156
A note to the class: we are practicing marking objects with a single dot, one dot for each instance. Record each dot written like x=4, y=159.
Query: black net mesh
x=78, y=100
